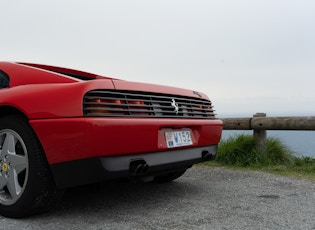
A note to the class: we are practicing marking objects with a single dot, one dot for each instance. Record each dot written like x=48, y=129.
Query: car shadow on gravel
x=120, y=196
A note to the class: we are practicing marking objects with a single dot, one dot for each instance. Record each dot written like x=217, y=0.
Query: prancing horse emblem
x=174, y=105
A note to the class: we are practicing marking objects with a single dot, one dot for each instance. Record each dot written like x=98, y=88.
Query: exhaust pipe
x=206, y=156
x=138, y=167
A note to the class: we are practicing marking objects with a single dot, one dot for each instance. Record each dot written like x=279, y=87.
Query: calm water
x=302, y=143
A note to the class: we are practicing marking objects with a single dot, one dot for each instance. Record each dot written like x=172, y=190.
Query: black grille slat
x=138, y=104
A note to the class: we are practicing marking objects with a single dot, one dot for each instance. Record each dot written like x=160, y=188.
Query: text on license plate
x=178, y=138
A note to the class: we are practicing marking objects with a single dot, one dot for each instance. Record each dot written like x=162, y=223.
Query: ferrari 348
x=61, y=128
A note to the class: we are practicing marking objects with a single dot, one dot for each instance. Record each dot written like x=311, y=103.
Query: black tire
x=165, y=178
x=26, y=183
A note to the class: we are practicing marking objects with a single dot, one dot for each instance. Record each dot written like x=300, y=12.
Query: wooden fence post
x=260, y=136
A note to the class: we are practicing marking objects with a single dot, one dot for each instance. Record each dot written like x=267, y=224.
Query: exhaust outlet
x=145, y=168
x=138, y=167
x=138, y=170
x=206, y=156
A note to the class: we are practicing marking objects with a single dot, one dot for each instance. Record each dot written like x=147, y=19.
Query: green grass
x=239, y=152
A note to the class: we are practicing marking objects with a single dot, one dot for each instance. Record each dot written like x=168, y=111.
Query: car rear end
x=90, y=128
x=137, y=130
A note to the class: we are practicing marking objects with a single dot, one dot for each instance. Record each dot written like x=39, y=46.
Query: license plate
x=178, y=138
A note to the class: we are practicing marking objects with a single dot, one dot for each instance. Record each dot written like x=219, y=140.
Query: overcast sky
x=248, y=56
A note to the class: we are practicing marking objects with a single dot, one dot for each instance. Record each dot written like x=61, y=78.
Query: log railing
x=260, y=123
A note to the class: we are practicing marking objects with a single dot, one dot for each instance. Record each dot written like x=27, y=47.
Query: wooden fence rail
x=259, y=123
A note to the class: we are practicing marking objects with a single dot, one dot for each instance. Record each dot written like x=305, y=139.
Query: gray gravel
x=203, y=198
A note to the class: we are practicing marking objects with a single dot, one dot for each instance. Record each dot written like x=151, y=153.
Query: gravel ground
x=203, y=198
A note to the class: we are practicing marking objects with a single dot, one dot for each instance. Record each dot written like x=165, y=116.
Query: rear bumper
x=71, y=139
x=92, y=170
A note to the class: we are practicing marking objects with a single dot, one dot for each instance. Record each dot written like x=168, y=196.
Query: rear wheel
x=26, y=184
x=169, y=176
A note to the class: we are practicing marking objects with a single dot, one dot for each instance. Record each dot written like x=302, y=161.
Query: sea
x=301, y=143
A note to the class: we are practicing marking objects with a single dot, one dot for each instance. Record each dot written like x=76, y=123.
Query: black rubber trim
x=92, y=170
x=4, y=80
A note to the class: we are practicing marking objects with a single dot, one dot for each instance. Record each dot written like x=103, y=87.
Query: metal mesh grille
x=138, y=104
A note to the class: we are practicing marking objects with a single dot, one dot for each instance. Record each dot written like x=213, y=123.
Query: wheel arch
x=10, y=110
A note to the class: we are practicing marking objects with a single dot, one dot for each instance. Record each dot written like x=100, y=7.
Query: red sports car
x=61, y=128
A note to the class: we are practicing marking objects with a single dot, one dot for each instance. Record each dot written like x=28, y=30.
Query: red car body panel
x=125, y=85
x=63, y=70
x=28, y=75
x=44, y=101
x=51, y=98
